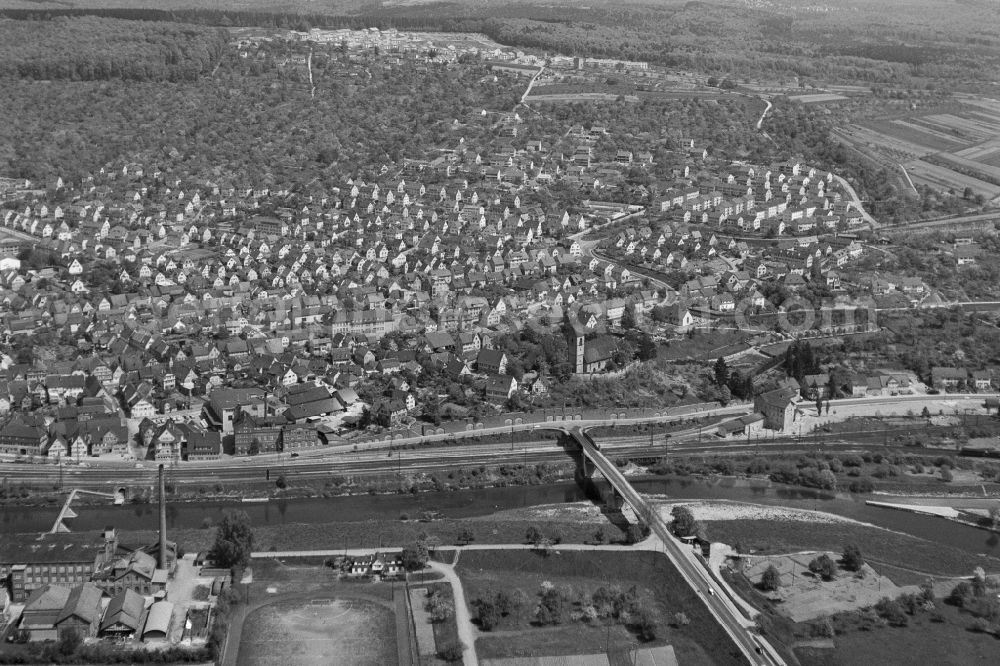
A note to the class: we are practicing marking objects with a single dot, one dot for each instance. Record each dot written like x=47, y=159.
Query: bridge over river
x=740, y=627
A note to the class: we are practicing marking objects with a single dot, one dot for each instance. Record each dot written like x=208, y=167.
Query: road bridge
x=741, y=629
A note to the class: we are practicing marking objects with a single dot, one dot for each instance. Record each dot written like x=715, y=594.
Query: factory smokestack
x=162, y=557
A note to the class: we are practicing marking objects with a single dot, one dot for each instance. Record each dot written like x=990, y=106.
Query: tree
x=233, y=541
x=946, y=474
x=823, y=566
x=552, y=607
x=771, y=579
x=415, y=556
x=487, y=613
x=634, y=534
x=281, y=483
x=721, y=372
x=647, y=348
x=533, y=535
x=628, y=317
x=69, y=642
x=599, y=536
x=466, y=536
x=960, y=595
x=852, y=558
x=684, y=524
x=647, y=624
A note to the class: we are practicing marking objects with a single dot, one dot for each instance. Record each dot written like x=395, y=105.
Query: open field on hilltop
x=984, y=170
x=897, y=147
x=951, y=149
x=304, y=633
x=969, y=129
x=657, y=585
x=941, y=177
x=987, y=152
x=817, y=98
x=904, y=135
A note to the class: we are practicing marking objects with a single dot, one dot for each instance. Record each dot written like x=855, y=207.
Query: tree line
x=97, y=49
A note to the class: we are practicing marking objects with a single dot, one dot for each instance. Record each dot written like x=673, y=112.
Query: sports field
x=319, y=631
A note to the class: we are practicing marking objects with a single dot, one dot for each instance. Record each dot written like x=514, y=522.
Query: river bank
x=390, y=483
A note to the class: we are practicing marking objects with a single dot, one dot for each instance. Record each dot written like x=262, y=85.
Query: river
x=468, y=503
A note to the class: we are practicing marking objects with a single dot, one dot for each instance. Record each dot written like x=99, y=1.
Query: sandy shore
x=706, y=510
x=709, y=510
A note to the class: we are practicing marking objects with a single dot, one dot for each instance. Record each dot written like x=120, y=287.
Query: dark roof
x=51, y=548
x=84, y=603
x=599, y=349
x=125, y=608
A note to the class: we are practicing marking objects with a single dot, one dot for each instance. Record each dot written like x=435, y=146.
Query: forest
x=878, y=43
x=254, y=119
x=97, y=49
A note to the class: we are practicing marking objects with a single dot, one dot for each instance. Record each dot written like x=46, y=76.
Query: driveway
x=466, y=631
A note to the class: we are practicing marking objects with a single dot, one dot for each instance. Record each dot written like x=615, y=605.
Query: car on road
x=711, y=591
x=295, y=455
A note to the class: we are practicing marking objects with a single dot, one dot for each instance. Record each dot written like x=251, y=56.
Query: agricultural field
x=943, y=178
x=951, y=148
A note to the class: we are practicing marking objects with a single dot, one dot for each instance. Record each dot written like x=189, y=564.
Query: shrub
x=823, y=566
x=892, y=612
x=852, y=461
x=771, y=579
x=960, y=594
x=862, y=484
x=982, y=625
x=822, y=629
x=852, y=558
x=451, y=653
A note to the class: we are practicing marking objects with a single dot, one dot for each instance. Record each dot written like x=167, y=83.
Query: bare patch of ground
x=804, y=596
x=319, y=631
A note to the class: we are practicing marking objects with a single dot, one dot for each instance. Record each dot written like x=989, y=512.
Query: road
x=764, y=114
x=856, y=200
x=754, y=648
x=463, y=620
x=531, y=84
